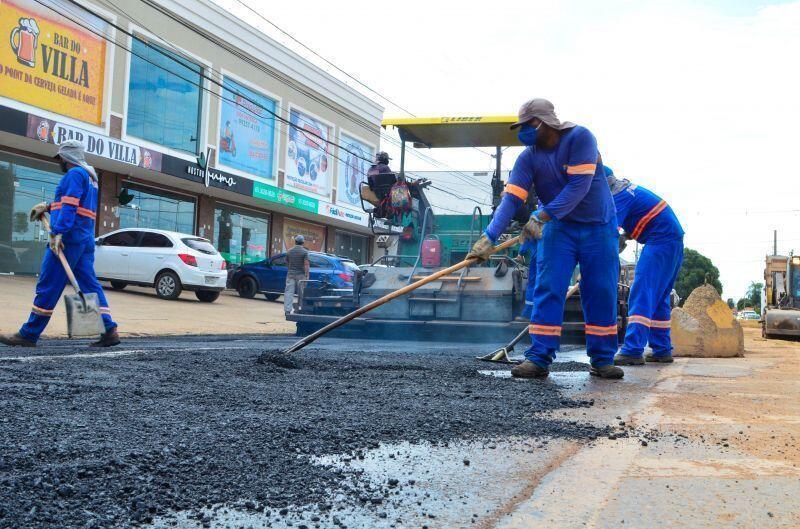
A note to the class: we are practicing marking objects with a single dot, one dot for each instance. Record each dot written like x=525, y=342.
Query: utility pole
x=774, y=242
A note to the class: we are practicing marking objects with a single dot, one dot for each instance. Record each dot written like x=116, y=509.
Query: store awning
x=457, y=131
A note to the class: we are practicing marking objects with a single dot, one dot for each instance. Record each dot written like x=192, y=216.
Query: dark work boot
x=662, y=359
x=628, y=360
x=528, y=369
x=109, y=338
x=607, y=372
x=16, y=340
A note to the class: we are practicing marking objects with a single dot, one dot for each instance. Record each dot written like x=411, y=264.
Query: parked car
x=749, y=315
x=167, y=260
x=268, y=277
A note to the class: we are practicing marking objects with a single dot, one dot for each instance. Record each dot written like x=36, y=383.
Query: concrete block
x=705, y=327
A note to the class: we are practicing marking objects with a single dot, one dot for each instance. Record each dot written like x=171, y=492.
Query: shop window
x=164, y=97
x=351, y=246
x=241, y=236
x=156, y=210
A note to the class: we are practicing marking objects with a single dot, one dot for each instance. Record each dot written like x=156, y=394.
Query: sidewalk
x=139, y=312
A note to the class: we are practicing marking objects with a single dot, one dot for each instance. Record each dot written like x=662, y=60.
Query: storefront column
x=276, y=243
x=110, y=187
x=205, y=217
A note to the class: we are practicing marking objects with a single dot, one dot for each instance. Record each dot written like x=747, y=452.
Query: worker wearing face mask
x=576, y=225
x=648, y=219
x=72, y=216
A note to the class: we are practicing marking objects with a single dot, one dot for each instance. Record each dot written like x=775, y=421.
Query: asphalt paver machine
x=480, y=303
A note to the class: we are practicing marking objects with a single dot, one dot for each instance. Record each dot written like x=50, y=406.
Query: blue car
x=268, y=277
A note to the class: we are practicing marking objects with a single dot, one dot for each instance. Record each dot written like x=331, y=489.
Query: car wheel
x=118, y=285
x=168, y=285
x=207, y=296
x=247, y=287
x=272, y=297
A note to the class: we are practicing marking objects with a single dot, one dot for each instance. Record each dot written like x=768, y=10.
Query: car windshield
x=201, y=245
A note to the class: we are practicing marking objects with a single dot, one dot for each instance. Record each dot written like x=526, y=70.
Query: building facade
x=196, y=122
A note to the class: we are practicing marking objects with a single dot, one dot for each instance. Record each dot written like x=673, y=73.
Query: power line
x=288, y=82
x=221, y=96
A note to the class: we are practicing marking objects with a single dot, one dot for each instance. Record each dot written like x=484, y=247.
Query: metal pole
x=402, y=157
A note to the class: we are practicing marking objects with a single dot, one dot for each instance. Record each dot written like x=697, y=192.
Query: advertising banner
x=287, y=198
x=307, y=156
x=314, y=235
x=49, y=131
x=49, y=62
x=247, y=131
x=354, y=157
x=348, y=215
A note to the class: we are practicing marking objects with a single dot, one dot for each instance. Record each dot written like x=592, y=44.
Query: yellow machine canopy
x=458, y=131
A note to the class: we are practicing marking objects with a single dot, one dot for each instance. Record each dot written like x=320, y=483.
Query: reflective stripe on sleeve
x=519, y=192
x=83, y=212
x=72, y=201
x=644, y=221
x=584, y=168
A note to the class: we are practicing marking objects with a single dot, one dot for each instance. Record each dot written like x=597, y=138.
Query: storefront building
x=284, y=145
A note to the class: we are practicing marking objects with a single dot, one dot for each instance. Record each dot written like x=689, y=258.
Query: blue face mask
x=527, y=134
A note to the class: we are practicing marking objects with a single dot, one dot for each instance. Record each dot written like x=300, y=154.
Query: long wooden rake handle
x=63, y=258
x=396, y=294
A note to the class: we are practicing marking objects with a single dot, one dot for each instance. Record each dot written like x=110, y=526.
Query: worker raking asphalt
x=119, y=441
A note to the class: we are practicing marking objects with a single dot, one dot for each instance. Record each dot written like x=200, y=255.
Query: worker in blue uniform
x=72, y=219
x=647, y=219
x=576, y=224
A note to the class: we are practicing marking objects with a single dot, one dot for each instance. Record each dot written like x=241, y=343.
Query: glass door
x=24, y=182
x=241, y=237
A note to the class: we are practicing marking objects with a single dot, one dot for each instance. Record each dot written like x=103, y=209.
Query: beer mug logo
x=24, y=39
x=43, y=130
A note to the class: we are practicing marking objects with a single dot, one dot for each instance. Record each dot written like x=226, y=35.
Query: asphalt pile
x=116, y=442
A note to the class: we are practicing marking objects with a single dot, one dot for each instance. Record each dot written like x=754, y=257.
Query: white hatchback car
x=167, y=260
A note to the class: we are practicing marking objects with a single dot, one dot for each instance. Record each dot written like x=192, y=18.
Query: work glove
x=38, y=210
x=482, y=249
x=623, y=241
x=532, y=230
x=55, y=243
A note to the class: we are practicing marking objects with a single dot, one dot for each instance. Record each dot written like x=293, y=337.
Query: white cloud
x=698, y=101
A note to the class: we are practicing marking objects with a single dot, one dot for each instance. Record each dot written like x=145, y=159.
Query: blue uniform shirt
x=645, y=217
x=569, y=181
x=73, y=211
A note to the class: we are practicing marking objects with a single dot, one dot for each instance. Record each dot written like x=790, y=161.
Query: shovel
x=83, y=310
x=500, y=356
x=396, y=294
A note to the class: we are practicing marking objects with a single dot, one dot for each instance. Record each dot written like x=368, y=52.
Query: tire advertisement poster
x=354, y=156
x=247, y=131
x=308, y=154
x=314, y=234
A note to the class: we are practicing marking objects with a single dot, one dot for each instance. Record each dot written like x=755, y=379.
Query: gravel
x=115, y=442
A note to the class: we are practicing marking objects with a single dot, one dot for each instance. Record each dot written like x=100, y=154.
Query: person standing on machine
x=648, y=219
x=72, y=216
x=576, y=224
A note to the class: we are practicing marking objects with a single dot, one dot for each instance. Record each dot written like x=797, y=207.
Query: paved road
x=364, y=434
x=140, y=313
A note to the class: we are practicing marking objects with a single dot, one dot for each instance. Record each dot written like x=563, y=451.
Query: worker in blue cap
x=576, y=224
x=72, y=218
x=649, y=220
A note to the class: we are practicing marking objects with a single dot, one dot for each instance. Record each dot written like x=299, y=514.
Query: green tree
x=696, y=270
x=742, y=303
x=754, y=294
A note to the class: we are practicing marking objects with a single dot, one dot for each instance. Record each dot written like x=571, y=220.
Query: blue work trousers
x=53, y=279
x=649, y=301
x=594, y=247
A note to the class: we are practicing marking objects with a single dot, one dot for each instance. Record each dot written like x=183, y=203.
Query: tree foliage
x=697, y=269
